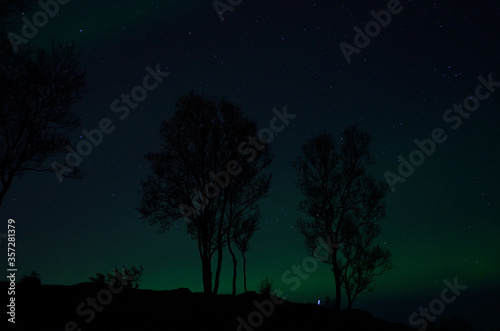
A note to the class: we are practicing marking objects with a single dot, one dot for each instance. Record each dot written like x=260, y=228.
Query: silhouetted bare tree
x=209, y=151
x=37, y=90
x=242, y=215
x=240, y=207
x=344, y=202
x=362, y=263
x=242, y=218
x=242, y=240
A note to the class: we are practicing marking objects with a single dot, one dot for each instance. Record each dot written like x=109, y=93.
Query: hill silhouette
x=54, y=307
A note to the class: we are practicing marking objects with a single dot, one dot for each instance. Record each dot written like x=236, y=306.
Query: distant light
x=319, y=302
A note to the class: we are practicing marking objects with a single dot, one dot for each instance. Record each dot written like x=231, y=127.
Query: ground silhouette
x=53, y=307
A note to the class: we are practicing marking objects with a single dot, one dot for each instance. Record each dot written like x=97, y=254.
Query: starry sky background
x=441, y=223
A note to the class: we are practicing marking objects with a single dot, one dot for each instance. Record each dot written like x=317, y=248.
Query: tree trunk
x=220, y=244
x=217, y=271
x=206, y=259
x=336, y=273
x=349, y=303
x=207, y=275
x=235, y=262
x=245, y=273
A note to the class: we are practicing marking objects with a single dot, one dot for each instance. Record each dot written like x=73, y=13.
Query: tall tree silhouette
x=37, y=90
x=239, y=206
x=209, y=151
x=342, y=199
x=243, y=235
x=242, y=218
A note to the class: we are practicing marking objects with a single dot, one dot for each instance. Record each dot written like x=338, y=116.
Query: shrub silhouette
x=266, y=287
x=329, y=302
x=31, y=281
x=99, y=279
x=131, y=276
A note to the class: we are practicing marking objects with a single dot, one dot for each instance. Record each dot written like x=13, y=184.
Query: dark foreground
x=89, y=306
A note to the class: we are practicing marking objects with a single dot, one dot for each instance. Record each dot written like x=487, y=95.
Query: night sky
x=442, y=221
